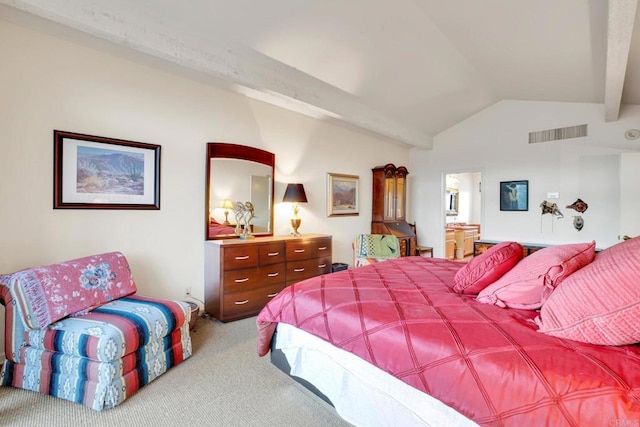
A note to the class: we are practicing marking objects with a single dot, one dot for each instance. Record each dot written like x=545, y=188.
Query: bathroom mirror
x=451, y=201
x=238, y=173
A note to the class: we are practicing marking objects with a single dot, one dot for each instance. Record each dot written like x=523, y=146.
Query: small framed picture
x=94, y=172
x=342, y=194
x=514, y=195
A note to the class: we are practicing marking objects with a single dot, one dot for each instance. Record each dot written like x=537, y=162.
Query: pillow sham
x=600, y=304
x=486, y=268
x=531, y=281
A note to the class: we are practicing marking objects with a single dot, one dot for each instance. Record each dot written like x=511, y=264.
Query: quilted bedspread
x=488, y=363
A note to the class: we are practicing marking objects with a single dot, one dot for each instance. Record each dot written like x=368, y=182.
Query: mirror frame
x=225, y=150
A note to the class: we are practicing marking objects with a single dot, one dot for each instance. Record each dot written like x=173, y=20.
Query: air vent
x=556, y=134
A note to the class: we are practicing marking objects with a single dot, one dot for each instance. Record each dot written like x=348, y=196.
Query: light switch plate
x=555, y=195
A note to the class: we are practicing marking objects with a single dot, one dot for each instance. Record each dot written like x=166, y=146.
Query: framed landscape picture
x=514, y=195
x=94, y=172
x=342, y=194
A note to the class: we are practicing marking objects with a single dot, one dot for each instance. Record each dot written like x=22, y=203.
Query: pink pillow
x=486, y=268
x=599, y=304
x=531, y=281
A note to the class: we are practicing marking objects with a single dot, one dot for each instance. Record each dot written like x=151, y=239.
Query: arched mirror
x=237, y=173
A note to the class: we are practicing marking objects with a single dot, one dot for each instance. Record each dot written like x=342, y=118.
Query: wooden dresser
x=241, y=276
x=480, y=246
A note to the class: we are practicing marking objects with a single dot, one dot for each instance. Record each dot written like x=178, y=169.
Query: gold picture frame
x=343, y=195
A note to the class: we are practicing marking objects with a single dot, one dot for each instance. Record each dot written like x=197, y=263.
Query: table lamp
x=226, y=205
x=295, y=194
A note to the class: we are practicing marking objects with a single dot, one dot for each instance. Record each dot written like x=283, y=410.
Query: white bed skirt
x=362, y=394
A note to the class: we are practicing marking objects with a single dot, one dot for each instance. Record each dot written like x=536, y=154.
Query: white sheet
x=362, y=394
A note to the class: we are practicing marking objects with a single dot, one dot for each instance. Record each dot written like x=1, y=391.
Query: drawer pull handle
x=298, y=270
x=243, y=257
x=322, y=265
x=298, y=251
x=273, y=274
x=242, y=280
x=322, y=248
x=241, y=302
x=273, y=254
x=272, y=295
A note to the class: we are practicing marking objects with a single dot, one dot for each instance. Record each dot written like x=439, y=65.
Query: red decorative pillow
x=531, y=281
x=600, y=304
x=486, y=268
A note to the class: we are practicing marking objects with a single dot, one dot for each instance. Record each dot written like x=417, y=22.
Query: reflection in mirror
x=238, y=173
x=451, y=201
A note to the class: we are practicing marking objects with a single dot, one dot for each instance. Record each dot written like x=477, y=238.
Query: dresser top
x=267, y=239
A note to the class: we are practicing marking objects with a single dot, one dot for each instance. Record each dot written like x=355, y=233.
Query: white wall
x=52, y=83
x=495, y=141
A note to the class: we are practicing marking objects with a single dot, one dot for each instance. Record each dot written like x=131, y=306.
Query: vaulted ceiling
x=402, y=69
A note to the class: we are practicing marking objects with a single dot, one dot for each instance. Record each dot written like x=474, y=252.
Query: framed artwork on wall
x=342, y=194
x=514, y=195
x=94, y=172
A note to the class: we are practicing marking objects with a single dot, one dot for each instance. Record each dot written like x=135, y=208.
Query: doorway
x=462, y=210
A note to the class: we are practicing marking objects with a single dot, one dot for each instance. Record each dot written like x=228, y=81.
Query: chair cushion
x=599, y=304
x=486, y=268
x=113, y=330
x=377, y=246
x=531, y=281
x=49, y=293
x=151, y=359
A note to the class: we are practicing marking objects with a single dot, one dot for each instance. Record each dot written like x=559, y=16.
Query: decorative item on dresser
x=389, y=206
x=241, y=276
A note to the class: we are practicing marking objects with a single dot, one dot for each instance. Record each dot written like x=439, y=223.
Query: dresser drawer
x=272, y=253
x=245, y=278
x=300, y=270
x=305, y=249
x=246, y=303
x=240, y=257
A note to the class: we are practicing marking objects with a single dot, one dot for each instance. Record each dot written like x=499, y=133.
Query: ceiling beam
x=249, y=72
x=620, y=23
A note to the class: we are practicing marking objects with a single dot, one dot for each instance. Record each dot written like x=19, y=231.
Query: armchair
x=77, y=331
x=372, y=248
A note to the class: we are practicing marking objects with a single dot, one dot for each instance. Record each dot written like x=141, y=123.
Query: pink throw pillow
x=600, y=304
x=486, y=268
x=531, y=281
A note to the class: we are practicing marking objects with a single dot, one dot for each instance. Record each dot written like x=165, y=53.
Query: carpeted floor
x=224, y=383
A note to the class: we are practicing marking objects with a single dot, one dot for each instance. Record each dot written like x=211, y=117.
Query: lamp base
x=295, y=224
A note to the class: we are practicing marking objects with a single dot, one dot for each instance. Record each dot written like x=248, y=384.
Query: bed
x=217, y=229
x=549, y=339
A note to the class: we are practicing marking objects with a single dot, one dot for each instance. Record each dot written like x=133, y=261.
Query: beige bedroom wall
x=51, y=83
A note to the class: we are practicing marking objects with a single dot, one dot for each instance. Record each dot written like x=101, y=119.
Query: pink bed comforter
x=488, y=363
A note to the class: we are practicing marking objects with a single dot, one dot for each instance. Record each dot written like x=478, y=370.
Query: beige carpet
x=224, y=383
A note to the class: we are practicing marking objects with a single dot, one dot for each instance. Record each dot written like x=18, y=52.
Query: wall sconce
x=226, y=205
x=295, y=194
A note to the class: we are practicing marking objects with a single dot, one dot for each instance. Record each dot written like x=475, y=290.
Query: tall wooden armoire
x=389, y=206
